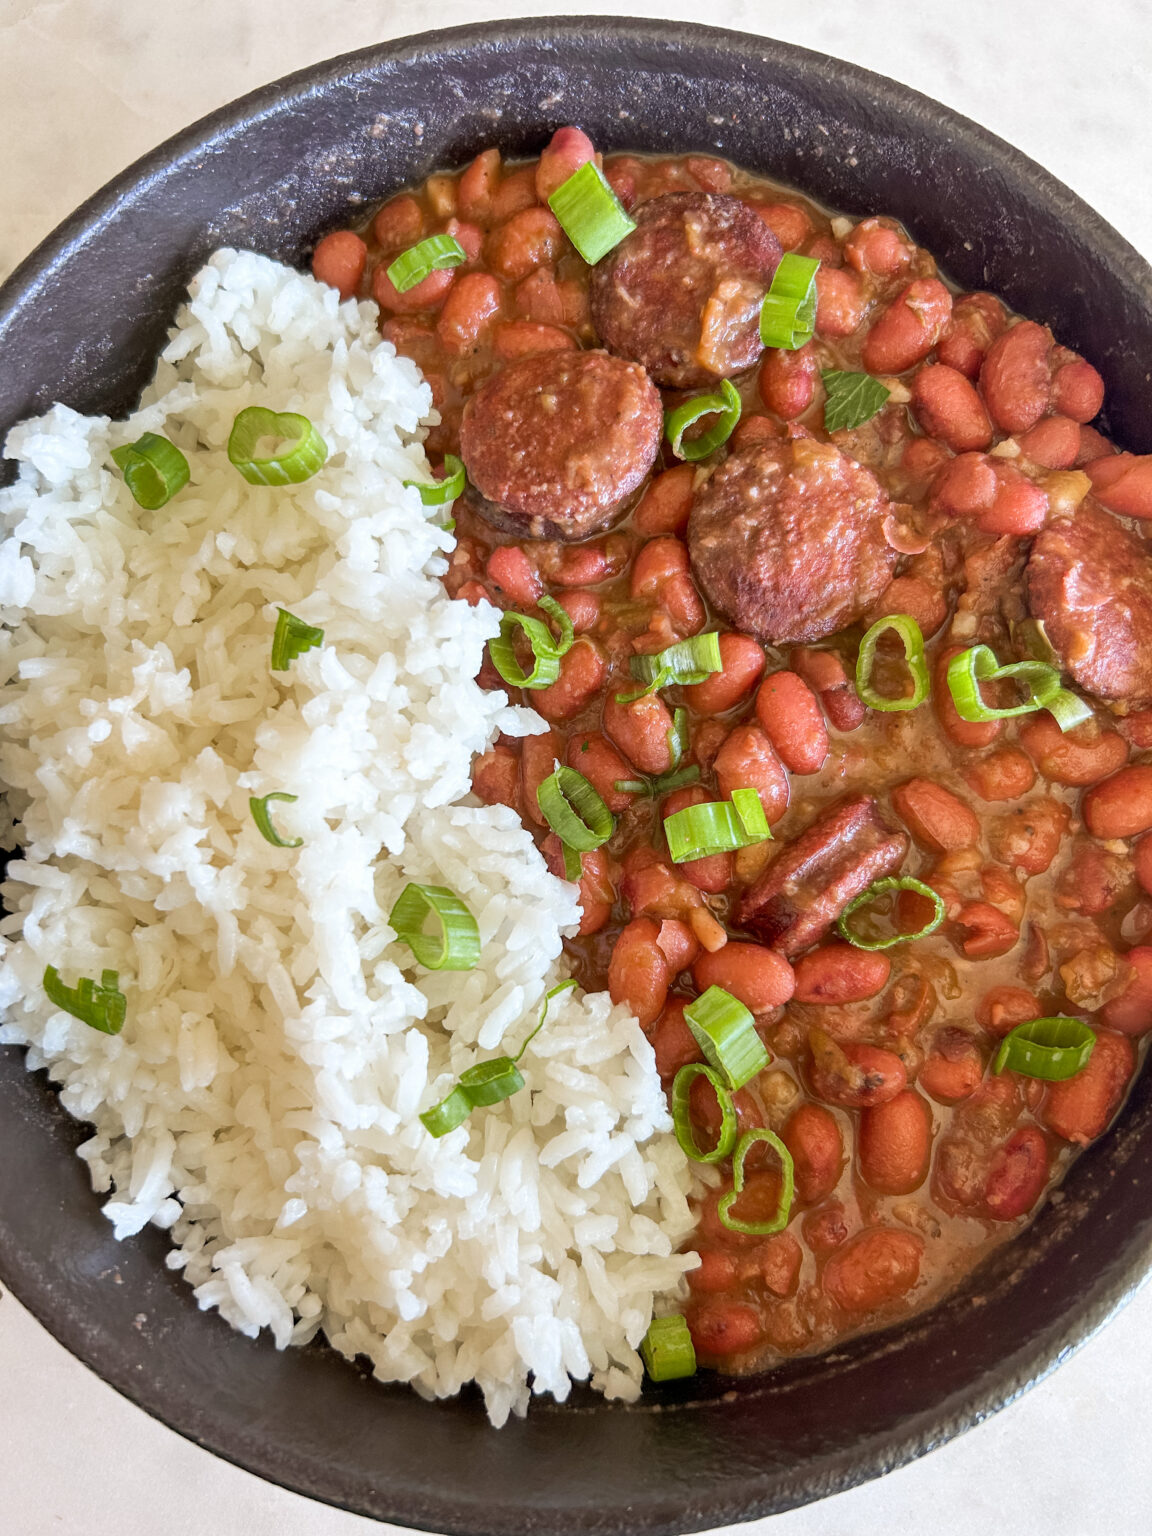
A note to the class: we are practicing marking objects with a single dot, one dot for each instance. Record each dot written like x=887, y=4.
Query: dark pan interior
x=81, y=321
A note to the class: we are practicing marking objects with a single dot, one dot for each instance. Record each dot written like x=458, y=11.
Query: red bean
x=672, y=1041
x=1019, y=506
x=1093, y=445
x=721, y=1328
x=468, y=312
x=840, y=302
x=777, y=1264
x=656, y=563
x=515, y=193
x=1122, y=482
x=477, y=186
x=826, y=1228
x=470, y=237
x=742, y=661
x=824, y=673
x=510, y=569
x=1002, y=1008
x=542, y=298
x=967, y=487
x=748, y=761
x=583, y=608
x=339, y=261
x=852, y=1074
x=877, y=246
x=640, y=729
x=1137, y=728
x=965, y=733
x=1077, y=390
x=1005, y=774
x=1053, y=443
x=953, y=1068
x=1122, y=805
x=936, y=818
x=1093, y=880
x=1029, y=838
x=567, y=150
x=496, y=778
x=1081, y=757
x=583, y=565
x=1014, y=378
x=679, y=943
x=1079, y=1108
x=597, y=759
x=916, y=596
x=596, y=890
x=894, y=1143
x=666, y=503
x=717, y=1272
x=399, y=224
x=538, y=758
x=1131, y=1012
x=787, y=221
x=909, y=328
x=977, y=319
x=791, y=719
x=531, y=238
x=989, y=931
x=876, y=1267
x=839, y=973
x=788, y=380
x=948, y=407
x=1018, y=1175
x=428, y=294
x=638, y=970
x=812, y=1135
x=713, y=873
x=1142, y=855
x=582, y=671
x=759, y=977
x=521, y=338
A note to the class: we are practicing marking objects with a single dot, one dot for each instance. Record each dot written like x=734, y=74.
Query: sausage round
x=787, y=540
x=682, y=293
x=557, y=442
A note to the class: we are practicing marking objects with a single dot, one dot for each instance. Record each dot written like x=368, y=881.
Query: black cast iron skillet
x=82, y=320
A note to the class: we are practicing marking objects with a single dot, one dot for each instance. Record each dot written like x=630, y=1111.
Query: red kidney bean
x=638, y=970
x=339, y=260
x=596, y=890
x=673, y=1042
x=1002, y=1008
x=428, y=294
x=1131, y=1012
x=953, y=1068
x=1014, y=378
x=777, y=1264
x=582, y=671
x=667, y=502
x=705, y=1114
x=788, y=380
x=1029, y=838
x=947, y=407
x=515, y=193
x=477, y=186
x=824, y=673
x=918, y=598
x=826, y=1228
x=1019, y=506
x=748, y=761
x=640, y=730
x=936, y=818
x=791, y=719
x=583, y=565
x=656, y=562
x=541, y=297
x=742, y=661
x=510, y=569
x=876, y=245
x=905, y=332
x=1142, y=855
x=598, y=760
x=812, y=1135
x=1120, y=806
x=759, y=977
x=1053, y=443
x=1093, y=445
x=470, y=237
x=522, y=338
x=1017, y=1175
x=1123, y=483
x=966, y=487
x=839, y=973
x=977, y=319
x=679, y=943
x=787, y=221
x=399, y=224
x=841, y=303
x=468, y=312
x=583, y=608
x=988, y=931
x=923, y=459
x=531, y=238
x=894, y=1143
x=1077, y=389
x=1093, y=880
x=1080, y=757
x=567, y=150
x=713, y=873
x=1137, y=728
x=496, y=778
x=852, y=1074
x=717, y=1272
x=538, y=758
x=1005, y=774
x=1080, y=1107
x=878, y=1266
x=721, y=1328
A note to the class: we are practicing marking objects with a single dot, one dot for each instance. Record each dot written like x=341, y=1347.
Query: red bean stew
x=963, y=489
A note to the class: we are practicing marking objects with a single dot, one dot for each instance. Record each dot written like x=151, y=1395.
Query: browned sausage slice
x=682, y=293
x=787, y=539
x=807, y=885
x=1090, y=581
x=556, y=443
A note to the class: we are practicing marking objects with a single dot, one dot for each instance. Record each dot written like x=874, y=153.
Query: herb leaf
x=853, y=399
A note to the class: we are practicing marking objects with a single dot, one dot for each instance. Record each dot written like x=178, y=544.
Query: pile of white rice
x=262, y=1100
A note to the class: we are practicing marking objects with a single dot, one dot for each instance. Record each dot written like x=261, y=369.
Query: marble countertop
x=88, y=85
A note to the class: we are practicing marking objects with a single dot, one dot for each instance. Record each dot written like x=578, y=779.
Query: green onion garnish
x=978, y=664
x=434, y=493
x=488, y=1082
x=574, y=810
x=456, y=947
x=546, y=649
x=262, y=817
x=788, y=313
x=433, y=254
x=291, y=639
x=913, y=640
x=853, y=399
x=1052, y=1049
x=724, y=1205
x=677, y=738
x=726, y=1032
x=101, y=1004
x=682, y=1119
x=664, y=784
x=717, y=826
x=590, y=213
x=1032, y=638
x=154, y=470
x=573, y=862
x=667, y=1349
x=688, y=661
x=305, y=452
x=726, y=405
x=875, y=891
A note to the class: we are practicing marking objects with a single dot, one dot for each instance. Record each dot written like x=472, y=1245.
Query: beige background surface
x=88, y=85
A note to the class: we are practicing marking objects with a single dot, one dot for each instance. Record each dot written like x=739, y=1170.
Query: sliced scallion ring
x=663, y=784
x=434, y=493
x=574, y=810
x=448, y=1114
x=1041, y=682
x=887, y=887
x=101, y=1005
x=688, y=661
x=788, y=313
x=667, y=1349
x=1053, y=1049
x=904, y=625
x=682, y=1118
x=725, y=406
x=750, y=809
x=777, y=1222
x=456, y=947
x=255, y=427
x=432, y=254
x=590, y=213
x=573, y=863
x=726, y=1032
x=677, y=738
x=153, y=469
x=292, y=637
x=263, y=819
x=547, y=651
x=717, y=826
x=1031, y=636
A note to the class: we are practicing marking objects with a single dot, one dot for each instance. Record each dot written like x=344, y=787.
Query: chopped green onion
x=853, y=399
x=101, y=1005
x=561, y=986
x=573, y=862
x=1032, y=638
x=574, y=810
x=434, y=493
x=1052, y=1049
x=788, y=313
x=875, y=891
x=677, y=738
x=590, y=213
x=448, y=1114
x=559, y=616
x=1041, y=682
x=913, y=640
x=305, y=452
x=717, y=826
x=726, y=1032
x=667, y=1349
x=546, y=649
x=664, y=784
x=1068, y=709
x=153, y=468
x=682, y=1119
x=262, y=817
x=688, y=661
x=491, y=1082
x=726, y=405
x=724, y=1205
x=291, y=639
x=456, y=947
x=433, y=254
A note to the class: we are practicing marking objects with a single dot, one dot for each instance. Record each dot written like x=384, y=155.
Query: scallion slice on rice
x=153, y=469
x=456, y=947
x=101, y=1005
x=261, y=815
x=302, y=453
x=292, y=638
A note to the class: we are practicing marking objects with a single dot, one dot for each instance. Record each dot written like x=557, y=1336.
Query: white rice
x=262, y=1100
